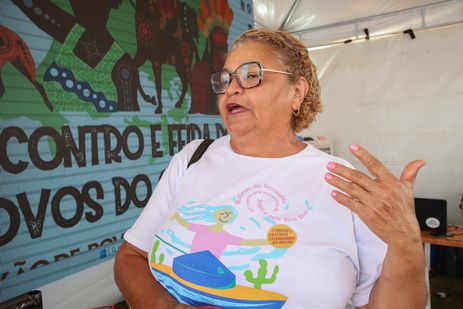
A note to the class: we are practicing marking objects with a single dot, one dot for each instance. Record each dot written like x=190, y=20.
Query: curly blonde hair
x=294, y=56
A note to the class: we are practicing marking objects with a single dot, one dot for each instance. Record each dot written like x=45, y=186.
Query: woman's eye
x=252, y=75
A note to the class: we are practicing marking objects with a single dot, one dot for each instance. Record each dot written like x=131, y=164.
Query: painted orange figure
x=13, y=49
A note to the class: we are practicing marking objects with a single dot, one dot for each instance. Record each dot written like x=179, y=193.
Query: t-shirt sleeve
x=197, y=227
x=371, y=251
x=233, y=240
x=161, y=204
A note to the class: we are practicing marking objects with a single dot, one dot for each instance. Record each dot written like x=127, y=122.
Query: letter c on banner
x=34, y=153
x=5, y=163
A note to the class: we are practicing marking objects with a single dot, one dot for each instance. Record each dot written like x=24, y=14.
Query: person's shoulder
x=221, y=141
x=189, y=149
x=216, y=144
x=186, y=152
x=323, y=157
x=192, y=145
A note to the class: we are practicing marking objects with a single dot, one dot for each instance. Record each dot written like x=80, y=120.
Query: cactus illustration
x=261, y=275
x=161, y=258
x=153, y=254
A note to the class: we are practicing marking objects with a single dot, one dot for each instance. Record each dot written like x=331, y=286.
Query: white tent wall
x=90, y=288
x=402, y=99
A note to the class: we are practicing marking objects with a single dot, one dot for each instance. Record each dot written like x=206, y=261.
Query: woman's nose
x=234, y=87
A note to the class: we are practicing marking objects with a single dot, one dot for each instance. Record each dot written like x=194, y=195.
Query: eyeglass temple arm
x=276, y=71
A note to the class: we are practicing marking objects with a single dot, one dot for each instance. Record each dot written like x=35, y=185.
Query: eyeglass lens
x=248, y=75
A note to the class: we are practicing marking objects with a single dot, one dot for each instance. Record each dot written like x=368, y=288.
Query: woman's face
x=261, y=111
x=224, y=215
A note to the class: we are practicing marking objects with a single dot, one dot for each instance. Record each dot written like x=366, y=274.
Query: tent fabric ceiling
x=323, y=22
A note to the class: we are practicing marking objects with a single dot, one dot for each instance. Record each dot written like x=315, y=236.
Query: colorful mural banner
x=94, y=102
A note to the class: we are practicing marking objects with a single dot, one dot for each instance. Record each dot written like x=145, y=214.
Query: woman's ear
x=301, y=88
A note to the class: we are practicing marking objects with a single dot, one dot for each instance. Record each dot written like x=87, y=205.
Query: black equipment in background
x=432, y=215
x=29, y=300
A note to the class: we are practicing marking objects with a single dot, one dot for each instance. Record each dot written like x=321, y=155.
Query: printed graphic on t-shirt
x=198, y=257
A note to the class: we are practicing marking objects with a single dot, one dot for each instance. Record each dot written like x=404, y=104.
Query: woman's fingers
x=348, y=201
x=385, y=204
x=373, y=165
x=349, y=187
x=353, y=176
x=411, y=171
x=358, y=199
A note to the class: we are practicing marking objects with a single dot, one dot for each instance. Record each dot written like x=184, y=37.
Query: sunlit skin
x=259, y=119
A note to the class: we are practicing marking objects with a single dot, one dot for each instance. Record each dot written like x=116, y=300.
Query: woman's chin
x=238, y=130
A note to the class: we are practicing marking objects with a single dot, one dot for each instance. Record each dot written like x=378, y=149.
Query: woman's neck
x=267, y=146
x=218, y=227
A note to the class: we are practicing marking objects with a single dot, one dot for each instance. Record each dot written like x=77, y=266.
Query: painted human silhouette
x=13, y=49
x=213, y=237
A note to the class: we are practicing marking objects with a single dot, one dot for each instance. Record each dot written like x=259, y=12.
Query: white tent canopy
x=326, y=22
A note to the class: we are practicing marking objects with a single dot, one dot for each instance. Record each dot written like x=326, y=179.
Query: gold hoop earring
x=296, y=112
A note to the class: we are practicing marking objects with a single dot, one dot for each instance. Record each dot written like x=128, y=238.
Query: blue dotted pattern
x=83, y=90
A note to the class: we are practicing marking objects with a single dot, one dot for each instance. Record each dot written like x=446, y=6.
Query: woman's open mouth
x=235, y=108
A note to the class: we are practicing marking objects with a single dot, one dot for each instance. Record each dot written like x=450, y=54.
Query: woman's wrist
x=407, y=248
x=407, y=242
x=407, y=260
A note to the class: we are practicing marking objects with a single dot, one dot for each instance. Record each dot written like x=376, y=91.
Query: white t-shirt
x=239, y=231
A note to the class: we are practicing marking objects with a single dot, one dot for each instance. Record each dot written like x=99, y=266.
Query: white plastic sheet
x=315, y=13
x=324, y=22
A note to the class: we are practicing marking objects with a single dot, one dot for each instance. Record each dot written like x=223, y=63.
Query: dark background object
x=410, y=33
x=29, y=300
x=447, y=261
x=432, y=215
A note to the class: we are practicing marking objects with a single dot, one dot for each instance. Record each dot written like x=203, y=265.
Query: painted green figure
x=153, y=255
x=261, y=274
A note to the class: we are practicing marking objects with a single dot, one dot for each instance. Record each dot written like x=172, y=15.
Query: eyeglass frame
x=234, y=76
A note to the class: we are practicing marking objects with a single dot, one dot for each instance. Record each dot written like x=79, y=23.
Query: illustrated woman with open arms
x=213, y=237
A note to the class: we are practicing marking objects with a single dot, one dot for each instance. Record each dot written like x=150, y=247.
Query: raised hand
x=383, y=202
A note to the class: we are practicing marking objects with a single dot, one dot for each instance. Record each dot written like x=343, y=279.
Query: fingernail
x=328, y=176
x=354, y=147
x=331, y=165
x=334, y=193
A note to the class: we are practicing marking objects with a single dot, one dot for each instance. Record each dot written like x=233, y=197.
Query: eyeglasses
x=248, y=75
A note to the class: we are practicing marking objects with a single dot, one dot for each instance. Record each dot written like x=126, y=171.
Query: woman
x=213, y=237
x=321, y=254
